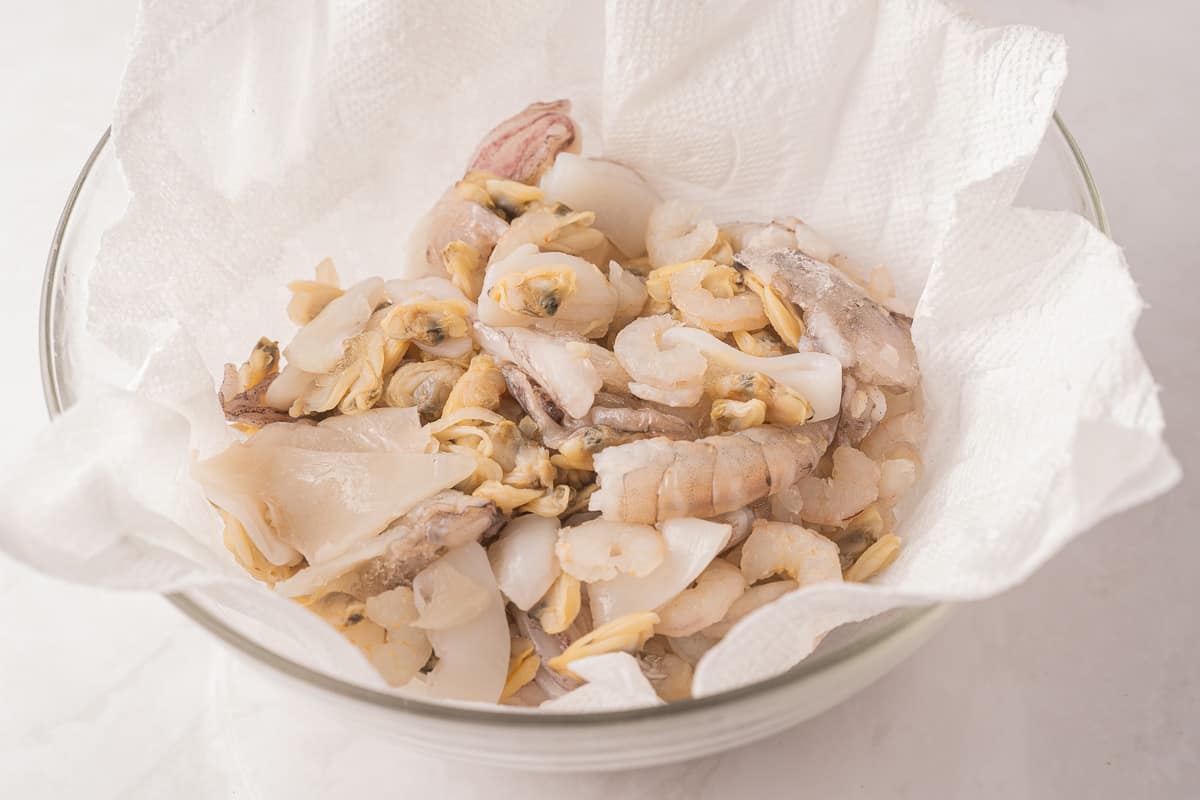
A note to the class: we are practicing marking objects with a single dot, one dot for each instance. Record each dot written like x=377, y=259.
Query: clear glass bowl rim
x=905, y=618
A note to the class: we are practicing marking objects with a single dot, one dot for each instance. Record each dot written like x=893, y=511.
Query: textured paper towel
x=258, y=138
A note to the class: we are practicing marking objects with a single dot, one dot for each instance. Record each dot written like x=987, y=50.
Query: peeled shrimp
x=658, y=479
x=675, y=232
x=752, y=599
x=600, y=550
x=691, y=545
x=840, y=318
x=779, y=548
x=668, y=373
x=554, y=292
x=620, y=197
x=702, y=309
x=705, y=604
x=853, y=486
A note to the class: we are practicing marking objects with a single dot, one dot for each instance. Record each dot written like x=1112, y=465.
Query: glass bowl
x=849, y=659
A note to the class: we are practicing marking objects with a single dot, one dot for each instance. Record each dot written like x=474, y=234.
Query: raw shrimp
x=662, y=372
x=840, y=318
x=658, y=479
x=675, y=233
x=702, y=309
x=553, y=292
x=524, y=146
x=779, y=548
x=600, y=550
x=752, y=599
x=704, y=604
x=853, y=486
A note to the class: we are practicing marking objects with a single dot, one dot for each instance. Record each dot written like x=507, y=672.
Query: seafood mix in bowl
x=585, y=420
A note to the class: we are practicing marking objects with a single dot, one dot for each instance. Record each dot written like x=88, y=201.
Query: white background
x=1084, y=682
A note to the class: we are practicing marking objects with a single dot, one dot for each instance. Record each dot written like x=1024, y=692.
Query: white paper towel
x=259, y=138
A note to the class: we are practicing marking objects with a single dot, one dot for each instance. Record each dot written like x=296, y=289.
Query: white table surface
x=1081, y=683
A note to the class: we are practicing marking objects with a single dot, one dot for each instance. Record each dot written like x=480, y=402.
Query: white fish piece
x=620, y=198
x=473, y=657
x=523, y=559
x=815, y=376
x=691, y=545
x=560, y=365
x=554, y=292
x=295, y=486
x=319, y=345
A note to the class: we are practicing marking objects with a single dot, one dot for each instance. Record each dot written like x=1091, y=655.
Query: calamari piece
x=319, y=346
x=817, y=377
x=316, y=501
x=553, y=292
x=657, y=479
x=566, y=373
x=523, y=559
x=691, y=545
x=393, y=558
x=874, y=344
x=621, y=199
x=525, y=145
x=473, y=657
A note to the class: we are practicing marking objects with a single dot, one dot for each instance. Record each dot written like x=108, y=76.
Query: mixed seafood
x=585, y=420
